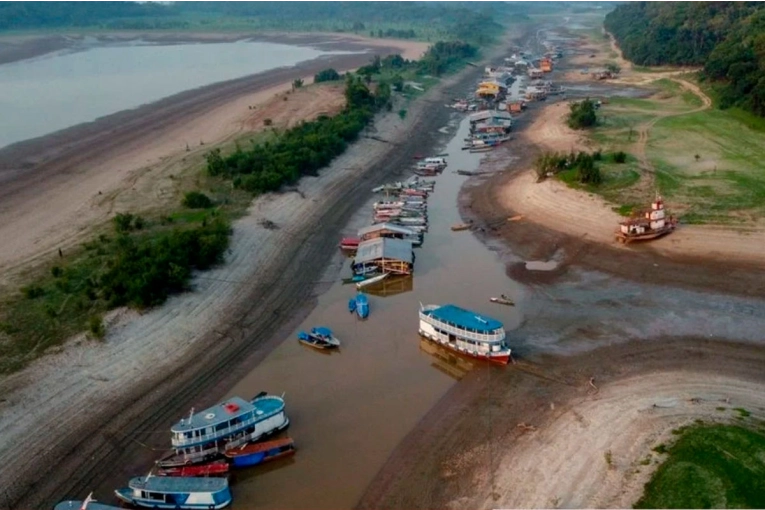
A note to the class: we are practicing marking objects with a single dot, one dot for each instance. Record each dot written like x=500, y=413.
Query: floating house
x=491, y=89
x=490, y=115
x=387, y=255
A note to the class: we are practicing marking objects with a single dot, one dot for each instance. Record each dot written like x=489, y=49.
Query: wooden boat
x=362, y=305
x=176, y=492
x=648, y=224
x=88, y=504
x=253, y=454
x=319, y=338
x=502, y=300
x=370, y=281
x=461, y=226
x=219, y=467
x=349, y=244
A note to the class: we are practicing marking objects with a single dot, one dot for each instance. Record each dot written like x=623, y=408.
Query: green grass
x=718, y=466
x=616, y=177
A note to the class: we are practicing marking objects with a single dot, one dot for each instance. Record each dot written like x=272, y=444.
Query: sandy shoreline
x=230, y=319
x=71, y=171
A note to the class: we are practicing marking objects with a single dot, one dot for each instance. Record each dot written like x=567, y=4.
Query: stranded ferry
x=465, y=332
x=207, y=435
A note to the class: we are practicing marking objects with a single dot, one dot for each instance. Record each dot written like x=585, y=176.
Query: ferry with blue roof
x=465, y=332
x=176, y=492
x=207, y=435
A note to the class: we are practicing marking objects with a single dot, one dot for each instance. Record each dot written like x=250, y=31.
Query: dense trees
x=585, y=170
x=326, y=75
x=582, y=115
x=304, y=149
x=727, y=38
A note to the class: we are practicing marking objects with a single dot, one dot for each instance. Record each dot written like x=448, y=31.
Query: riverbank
x=152, y=368
x=77, y=172
x=15, y=47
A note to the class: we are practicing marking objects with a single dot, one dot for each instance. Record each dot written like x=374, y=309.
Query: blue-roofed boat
x=88, y=504
x=176, y=492
x=352, y=305
x=465, y=332
x=362, y=305
x=204, y=436
x=319, y=338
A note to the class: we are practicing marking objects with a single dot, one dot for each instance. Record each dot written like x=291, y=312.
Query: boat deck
x=178, y=484
x=461, y=318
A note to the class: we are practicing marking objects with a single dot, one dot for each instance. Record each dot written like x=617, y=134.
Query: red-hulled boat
x=349, y=244
x=219, y=467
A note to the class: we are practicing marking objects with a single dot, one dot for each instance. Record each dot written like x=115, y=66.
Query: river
x=66, y=88
x=350, y=409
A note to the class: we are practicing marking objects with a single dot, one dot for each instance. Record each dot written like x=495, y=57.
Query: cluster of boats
x=206, y=446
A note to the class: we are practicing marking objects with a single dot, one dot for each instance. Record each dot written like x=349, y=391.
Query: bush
x=33, y=291
x=96, y=326
x=56, y=271
x=197, y=200
x=620, y=157
x=582, y=115
x=326, y=75
x=123, y=222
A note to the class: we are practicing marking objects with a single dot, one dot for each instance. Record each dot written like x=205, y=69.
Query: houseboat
x=176, y=492
x=253, y=454
x=465, y=332
x=204, y=436
x=648, y=224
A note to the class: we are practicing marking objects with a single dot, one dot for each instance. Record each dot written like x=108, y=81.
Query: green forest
x=727, y=39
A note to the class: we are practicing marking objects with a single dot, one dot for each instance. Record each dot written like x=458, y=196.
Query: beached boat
x=502, y=300
x=319, y=338
x=218, y=467
x=646, y=225
x=87, y=504
x=362, y=305
x=465, y=332
x=253, y=454
x=370, y=281
x=176, y=492
x=204, y=436
x=461, y=226
x=349, y=244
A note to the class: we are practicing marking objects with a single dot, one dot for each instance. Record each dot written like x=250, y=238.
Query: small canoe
x=502, y=301
x=461, y=226
x=252, y=454
x=314, y=341
x=326, y=335
x=370, y=281
x=219, y=467
x=362, y=305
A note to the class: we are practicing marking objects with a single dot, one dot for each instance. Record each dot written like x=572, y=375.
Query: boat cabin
x=176, y=492
x=387, y=230
x=386, y=254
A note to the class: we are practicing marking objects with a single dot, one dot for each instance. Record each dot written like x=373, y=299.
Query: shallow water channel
x=350, y=409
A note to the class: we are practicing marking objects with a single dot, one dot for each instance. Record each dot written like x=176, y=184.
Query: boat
x=502, y=300
x=253, y=454
x=349, y=244
x=87, y=504
x=370, y=281
x=176, y=492
x=465, y=332
x=205, y=436
x=352, y=305
x=648, y=224
x=362, y=305
x=461, y=226
x=218, y=467
x=319, y=338
x=326, y=335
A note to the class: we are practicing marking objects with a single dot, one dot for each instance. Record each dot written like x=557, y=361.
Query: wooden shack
x=388, y=255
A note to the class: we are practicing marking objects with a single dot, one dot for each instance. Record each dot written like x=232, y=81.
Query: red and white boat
x=349, y=243
x=219, y=467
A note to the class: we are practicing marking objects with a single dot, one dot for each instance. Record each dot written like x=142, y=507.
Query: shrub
x=620, y=157
x=96, y=326
x=582, y=115
x=33, y=291
x=197, y=200
x=56, y=271
x=326, y=75
x=122, y=222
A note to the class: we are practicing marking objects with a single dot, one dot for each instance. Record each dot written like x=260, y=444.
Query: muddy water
x=350, y=409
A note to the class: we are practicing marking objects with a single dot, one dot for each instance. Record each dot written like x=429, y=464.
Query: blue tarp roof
x=321, y=330
x=466, y=318
x=220, y=413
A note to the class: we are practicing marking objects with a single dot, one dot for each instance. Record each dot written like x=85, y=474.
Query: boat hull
x=219, y=467
x=500, y=359
x=256, y=454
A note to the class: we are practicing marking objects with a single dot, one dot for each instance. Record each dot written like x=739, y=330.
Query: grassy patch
x=742, y=412
x=719, y=466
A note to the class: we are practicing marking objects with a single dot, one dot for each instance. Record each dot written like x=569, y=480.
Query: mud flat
x=111, y=404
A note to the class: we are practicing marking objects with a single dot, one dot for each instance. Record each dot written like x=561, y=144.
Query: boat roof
x=76, y=505
x=465, y=318
x=228, y=409
x=362, y=298
x=373, y=249
x=384, y=226
x=183, y=484
x=322, y=330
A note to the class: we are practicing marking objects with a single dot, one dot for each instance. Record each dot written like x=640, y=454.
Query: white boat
x=370, y=281
x=465, y=332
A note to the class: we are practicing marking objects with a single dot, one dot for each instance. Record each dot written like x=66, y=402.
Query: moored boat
x=318, y=338
x=204, y=436
x=325, y=334
x=176, y=492
x=349, y=244
x=502, y=300
x=362, y=305
x=461, y=226
x=87, y=504
x=465, y=332
x=253, y=454
x=370, y=281
x=218, y=467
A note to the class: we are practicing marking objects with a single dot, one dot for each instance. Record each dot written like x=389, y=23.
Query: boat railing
x=463, y=333
x=179, y=442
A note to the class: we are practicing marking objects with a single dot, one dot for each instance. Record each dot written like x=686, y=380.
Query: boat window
x=221, y=426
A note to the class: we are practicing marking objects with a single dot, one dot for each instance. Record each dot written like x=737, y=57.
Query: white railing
x=479, y=337
x=218, y=434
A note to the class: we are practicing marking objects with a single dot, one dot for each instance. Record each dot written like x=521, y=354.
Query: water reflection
x=391, y=286
x=447, y=361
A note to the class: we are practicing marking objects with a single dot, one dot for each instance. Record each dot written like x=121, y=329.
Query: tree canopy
x=727, y=38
